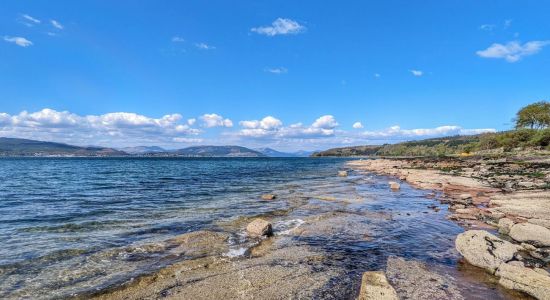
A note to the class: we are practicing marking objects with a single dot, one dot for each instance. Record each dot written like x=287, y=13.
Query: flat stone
x=531, y=233
x=525, y=280
x=412, y=280
x=375, y=286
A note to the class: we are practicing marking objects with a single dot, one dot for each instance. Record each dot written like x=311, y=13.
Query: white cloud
x=417, y=73
x=325, y=122
x=120, y=128
x=56, y=24
x=131, y=129
x=20, y=41
x=487, y=27
x=187, y=140
x=512, y=51
x=281, y=26
x=177, y=39
x=31, y=19
x=267, y=123
x=214, y=120
x=357, y=125
x=272, y=128
x=396, y=132
x=204, y=46
x=279, y=70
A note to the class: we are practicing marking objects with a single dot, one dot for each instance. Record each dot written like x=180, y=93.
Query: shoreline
x=482, y=196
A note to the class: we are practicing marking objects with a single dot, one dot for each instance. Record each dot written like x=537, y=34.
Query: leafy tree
x=534, y=116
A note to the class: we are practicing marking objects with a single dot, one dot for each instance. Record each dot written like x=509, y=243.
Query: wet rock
x=259, y=227
x=375, y=286
x=394, y=185
x=268, y=196
x=531, y=233
x=413, y=280
x=525, y=280
x=343, y=173
x=504, y=225
x=485, y=250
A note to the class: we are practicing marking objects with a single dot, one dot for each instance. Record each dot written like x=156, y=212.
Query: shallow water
x=71, y=226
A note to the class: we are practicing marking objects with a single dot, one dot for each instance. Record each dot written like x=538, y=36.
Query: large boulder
x=413, y=280
x=375, y=286
x=531, y=233
x=343, y=173
x=259, y=227
x=485, y=250
x=536, y=284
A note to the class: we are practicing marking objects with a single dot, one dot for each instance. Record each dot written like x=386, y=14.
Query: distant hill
x=143, y=149
x=216, y=151
x=24, y=147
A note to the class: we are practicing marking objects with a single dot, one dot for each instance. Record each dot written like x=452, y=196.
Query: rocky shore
x=506, y=195
x=342, y=244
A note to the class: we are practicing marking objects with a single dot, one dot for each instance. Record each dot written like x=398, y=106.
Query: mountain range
x=274, y=153
x=25, y=147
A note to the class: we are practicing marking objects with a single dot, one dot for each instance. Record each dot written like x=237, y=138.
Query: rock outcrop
x=375, y=286
x=485, y=250
x=259, y=227
x=531, y=233
x=343, y=173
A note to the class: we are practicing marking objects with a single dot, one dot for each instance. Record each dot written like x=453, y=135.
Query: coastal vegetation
x=532, y=132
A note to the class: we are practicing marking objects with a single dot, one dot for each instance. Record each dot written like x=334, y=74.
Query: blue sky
x=287, y=74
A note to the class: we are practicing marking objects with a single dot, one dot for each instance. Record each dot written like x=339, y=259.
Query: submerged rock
x=375, y=286
x=525, y=280
x=531, y=233
x=199, y=243
x=259, y=227
x=485, y=250
x=394, y=185
x=413, y=280
x=268, y=196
